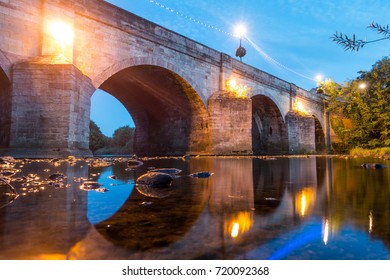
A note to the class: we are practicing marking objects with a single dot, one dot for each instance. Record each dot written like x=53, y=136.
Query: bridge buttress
x=301, y=133
x=231, y=124
x=50, y=109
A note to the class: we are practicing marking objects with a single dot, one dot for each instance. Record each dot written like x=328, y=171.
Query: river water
x=250, y=208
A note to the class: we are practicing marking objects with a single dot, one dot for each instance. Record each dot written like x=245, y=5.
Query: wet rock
x=134, y=163
x=9, y=172
x=155, y=179
x=7, y=162
x=186, y=157
x=58, y=177
x=373, y=165
x=154, y=192
x=90, y=186
x=170, y=171
x=203, y=174
x=146, y=203
x=100, y=163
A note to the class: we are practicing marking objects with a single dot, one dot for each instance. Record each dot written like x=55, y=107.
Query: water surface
x=250, y=208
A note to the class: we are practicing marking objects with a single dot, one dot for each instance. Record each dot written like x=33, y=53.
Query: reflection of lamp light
x=325, y=232
x=235, y=229
x=370, y=222
x=239, y=223
x=303, y=204
x=304, y=200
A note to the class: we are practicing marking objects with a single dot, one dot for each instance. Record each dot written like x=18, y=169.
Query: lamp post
x=240, y=31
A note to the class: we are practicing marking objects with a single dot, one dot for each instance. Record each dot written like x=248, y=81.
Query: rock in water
x=155, y=179
x=134, y=163
x=90, y=185
x=373, y=165
x=203, y=174
x=58, y=177
x=171, y=171
x=155, y=192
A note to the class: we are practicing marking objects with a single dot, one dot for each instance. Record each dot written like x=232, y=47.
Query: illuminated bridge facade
x=54, y=54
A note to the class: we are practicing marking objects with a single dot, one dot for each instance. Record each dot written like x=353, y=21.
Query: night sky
x=293, y=36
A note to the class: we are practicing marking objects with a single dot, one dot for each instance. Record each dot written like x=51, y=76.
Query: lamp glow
x=62, y=33
x=240, y=30
x=319, y=78
x=239, y=90
x=362, y=86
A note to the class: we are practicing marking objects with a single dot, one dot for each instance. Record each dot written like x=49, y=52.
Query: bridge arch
x=170, y=116
x=319, y=136
x=269, y=131
x=155, y=61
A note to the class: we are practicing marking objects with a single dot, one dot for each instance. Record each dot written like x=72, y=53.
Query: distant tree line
x=360, y=109
x=120, y=143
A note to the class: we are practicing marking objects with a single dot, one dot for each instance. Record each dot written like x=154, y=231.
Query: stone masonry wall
x=301, y=133
x=231, y=123
x=49, y=110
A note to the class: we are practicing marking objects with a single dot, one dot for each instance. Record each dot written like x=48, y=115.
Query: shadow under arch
x=269, y=184
x=141, y=227
x=5, y=109
x=169, y=115
x=319, y=136
x=269, y=132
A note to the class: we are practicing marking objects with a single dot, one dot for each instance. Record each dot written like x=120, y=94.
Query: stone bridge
x=54, y=54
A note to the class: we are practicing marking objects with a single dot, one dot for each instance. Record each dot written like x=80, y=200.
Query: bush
x=378, y=152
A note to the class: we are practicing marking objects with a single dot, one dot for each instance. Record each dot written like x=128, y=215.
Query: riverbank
x=378, y=152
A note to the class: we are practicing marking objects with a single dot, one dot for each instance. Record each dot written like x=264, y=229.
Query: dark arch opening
x=319, y=136
x=5, y=109
x=269, y=132
x=169, y=116
x=269, y=181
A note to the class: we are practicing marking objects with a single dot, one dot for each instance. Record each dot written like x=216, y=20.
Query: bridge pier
x=231, y=124
x=301, y=133
x=50, y=109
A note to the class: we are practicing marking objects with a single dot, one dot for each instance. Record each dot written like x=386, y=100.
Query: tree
x=363, y=108
x=353, y=44
x=97, y=139
x=123, y=138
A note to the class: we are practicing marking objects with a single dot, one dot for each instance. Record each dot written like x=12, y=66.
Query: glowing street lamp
x=62, y=35
x=362, y=85
x=319, y=78
x=240, y=31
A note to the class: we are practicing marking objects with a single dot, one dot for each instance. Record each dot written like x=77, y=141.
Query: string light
x=268, y=58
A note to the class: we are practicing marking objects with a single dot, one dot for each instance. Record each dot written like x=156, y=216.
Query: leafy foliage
x=121, y=142
x=97, y=139
x=353, y=44
x=362, y=108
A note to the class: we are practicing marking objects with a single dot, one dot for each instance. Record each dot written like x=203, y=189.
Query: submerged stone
x=171, y=171
x=134, y=163
x=90, y=186
x=154, y=192
x=373, y=165
x=203, y=174
x=155, y=179
x=57, y=177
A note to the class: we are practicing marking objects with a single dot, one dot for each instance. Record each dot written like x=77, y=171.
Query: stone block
x=231, y=124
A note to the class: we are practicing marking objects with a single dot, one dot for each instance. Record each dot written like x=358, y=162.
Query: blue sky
x=295, y=33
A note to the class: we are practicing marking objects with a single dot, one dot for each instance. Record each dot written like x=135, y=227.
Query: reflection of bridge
x=246, y=203
x=173, y=87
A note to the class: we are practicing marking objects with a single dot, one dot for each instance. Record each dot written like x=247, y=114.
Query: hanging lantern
x=240, y=52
